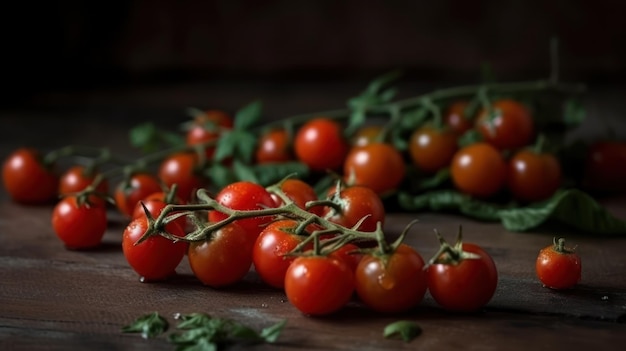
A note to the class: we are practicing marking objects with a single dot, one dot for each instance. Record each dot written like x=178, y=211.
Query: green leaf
x=144, y=137
x=435, y=180
x=406, y=330
x=245, y=145
x=220, y=175
x=226, y=145
x=244, y=172
x=194, y=320
x=470, y=137
x=379, y=82
x=574, y=113
x=150, y=326
x=248, y=115
x=271, y=333
x=270, y=173
x=355, y=121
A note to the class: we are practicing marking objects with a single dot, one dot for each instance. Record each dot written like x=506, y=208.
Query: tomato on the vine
x=155, y=203
x=77, y=178
x=432, y=149
x=244, y=196
x=129, y=193
x=533, y=176
x=393, y=282
x=79, y=226
x=558, y=267
x=378, y=166
x=274, y=146
x=463, y=279
x=604, y=166
x=320, y=144
x=27, y=179
x=207, y=127
x=300, y=193
x=367, y=135
x=455, y=118
x=268, y=255
x=510, y=127
x=155, y=258
x=479, y=170
x=319, y=285
x=353, y=204
x=349, y=254
x=224, y=258
x=181, y=169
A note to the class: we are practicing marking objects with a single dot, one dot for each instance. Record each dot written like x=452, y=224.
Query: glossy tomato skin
x=268, y=254
x=466, y=286
x=76, y=179
x=79, y=227
x=533, y=176
x=244, y=196
x=512, y=127
x=201, y=133
x=391, y=283
x=155, y=203
x=181, y=169
x=479, y=170
x=140, y=185
x=378, y=166
x=222, y=260
x=155, y=258
x=274, y=147
x=27, y=180
x=432, y=149
x=300, y=193
x=604, y=168
x=558, y=269
x=455, y=119
x=318, y=285
x=320, y=144
x=355, y=203
x=348, y=254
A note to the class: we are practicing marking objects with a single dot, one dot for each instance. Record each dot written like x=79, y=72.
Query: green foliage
x=406, y=330
x=150, y=326
x=148, y=138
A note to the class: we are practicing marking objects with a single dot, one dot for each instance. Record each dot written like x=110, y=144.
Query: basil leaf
x=379, y=82
x=248, y=115
x=150, y=325
x=574, y=113
x=144, y=137
x=406, y=330
x=226, y=145
x=271, y=333
x=270, y=173
x=244, y=172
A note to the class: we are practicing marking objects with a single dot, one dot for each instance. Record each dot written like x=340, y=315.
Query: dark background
x=77, y=45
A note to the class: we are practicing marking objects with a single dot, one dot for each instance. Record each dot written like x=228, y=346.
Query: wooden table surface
x=56, y=299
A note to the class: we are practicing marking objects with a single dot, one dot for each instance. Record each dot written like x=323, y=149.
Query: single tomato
x=79, y=226
x=77, y=178
x=181, y=168
x=354, y=203
x=320, y=144
x=207, y=127
x=533, y=176
x=274, y=147
x=27, y=180
x=510, y=127
x=479, y=170
x=455, y=118
x=128, y=193
x=432, y=149
x=558, y=267
x=378, y=166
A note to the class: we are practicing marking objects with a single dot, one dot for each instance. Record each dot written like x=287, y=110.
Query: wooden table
x=55, y=299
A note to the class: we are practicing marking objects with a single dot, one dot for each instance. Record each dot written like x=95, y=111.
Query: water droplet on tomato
x=386, y=282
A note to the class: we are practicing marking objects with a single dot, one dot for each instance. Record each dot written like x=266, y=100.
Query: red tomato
x=320, y=144
x=155, y=258
x=77, y=179
x=27, y=180
x=391, y=283
x=466, y=285
x=140, y=185
x=558, y=267
x=155, y=203
x=479, y=170
x=79, y=227
x=533, y=176
x=223, y=259
x=274, y=146
x=347, y=253
x=455, y=117
x=367, y=135
x=268, y=255
x=605, y=168
x=377, y=166
x=512, y=126
x=355, y=203
x=318, y=285
x=432, y=149
x=180, y=169
x=300, y=193
x=207, y=127
x=244, y=196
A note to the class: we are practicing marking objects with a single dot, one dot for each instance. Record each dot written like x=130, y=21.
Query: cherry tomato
x=244, y=196
x=367, y=135
x=300, y=193
x=394, y=282
x=558, y=267
x=377, y=166
x=604, y=166
x=512, y=126
x=155, y=203
x=479, y=170
x=139, y=186
x=455, y=118
x=356, y=202
x=180, y=169
x=320, y=144
x=533, y=176
x=77, y=178
x=79, y=227
x=207, y=127
x=348, y=253
x=268, y=254
x=223, y=259
x=432, y=149
x=155, y=258
x=27, y=180
x=465, y=285
x=274, y=146
x=318, y=285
